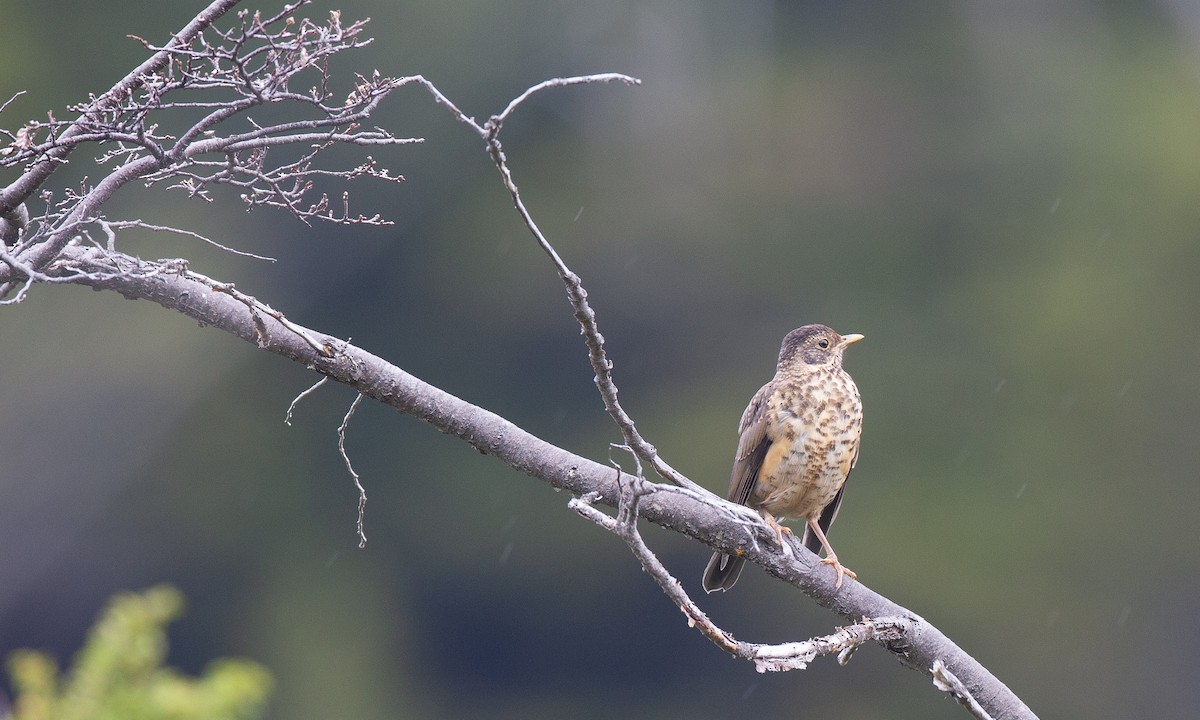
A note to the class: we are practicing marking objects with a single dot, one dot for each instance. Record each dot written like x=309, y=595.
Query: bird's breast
x=814, y=428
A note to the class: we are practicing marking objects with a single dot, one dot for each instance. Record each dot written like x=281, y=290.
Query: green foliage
x=119, y=673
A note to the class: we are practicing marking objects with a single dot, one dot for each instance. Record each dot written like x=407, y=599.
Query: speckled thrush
x=798, y=443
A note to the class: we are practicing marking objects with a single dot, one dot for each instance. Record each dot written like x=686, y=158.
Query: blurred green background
x=1003, y=197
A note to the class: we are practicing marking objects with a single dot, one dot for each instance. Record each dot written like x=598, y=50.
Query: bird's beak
x=849, y=339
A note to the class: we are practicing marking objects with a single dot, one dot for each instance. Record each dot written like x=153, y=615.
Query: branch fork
x=766, y=658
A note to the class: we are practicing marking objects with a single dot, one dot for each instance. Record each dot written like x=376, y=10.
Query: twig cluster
x=212, y=107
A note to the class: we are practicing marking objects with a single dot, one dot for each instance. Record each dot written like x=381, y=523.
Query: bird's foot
x=780, y=531
x=786, y=546
x=840, y=569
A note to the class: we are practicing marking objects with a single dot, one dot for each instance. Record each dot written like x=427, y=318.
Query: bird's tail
x=722, y=572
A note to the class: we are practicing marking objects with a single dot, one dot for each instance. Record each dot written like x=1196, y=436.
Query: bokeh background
x=1004, y=197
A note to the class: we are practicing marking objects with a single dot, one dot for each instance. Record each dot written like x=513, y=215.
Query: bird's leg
x=779, y=531
x=830, y=556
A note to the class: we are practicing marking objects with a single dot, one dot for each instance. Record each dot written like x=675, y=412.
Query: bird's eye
x=823, y=343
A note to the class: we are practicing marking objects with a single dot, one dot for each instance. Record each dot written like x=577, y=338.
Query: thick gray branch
x=703, y=516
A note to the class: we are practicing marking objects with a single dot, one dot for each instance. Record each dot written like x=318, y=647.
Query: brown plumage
x=798, y=443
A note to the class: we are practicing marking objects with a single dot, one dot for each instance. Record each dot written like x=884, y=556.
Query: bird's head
x=814, y=345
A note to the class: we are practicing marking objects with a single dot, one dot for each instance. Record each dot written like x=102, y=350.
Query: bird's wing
x=752, y=448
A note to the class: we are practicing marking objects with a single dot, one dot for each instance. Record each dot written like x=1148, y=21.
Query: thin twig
x=584, y=314
x=256, y=307
x=9, y=101
x=123, y=224
x=624, y=527
x=561, y=82
x=287, y=419
x=362, y=493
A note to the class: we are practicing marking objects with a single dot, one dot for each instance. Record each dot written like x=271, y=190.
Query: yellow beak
x=849, y=339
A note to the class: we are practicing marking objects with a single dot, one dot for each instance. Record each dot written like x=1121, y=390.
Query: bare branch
x=601, y=364
x=117, y=266
x=258, y=309
x=497, y=121
x=797, y=655
x=443, y=100
x=124, y=224
x=287, y=419
x=700, y=515
x=362, y=493
x=9, y=101
x=214, y=75
x=766, y=658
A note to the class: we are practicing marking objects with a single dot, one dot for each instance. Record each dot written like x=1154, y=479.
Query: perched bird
x=798, y=443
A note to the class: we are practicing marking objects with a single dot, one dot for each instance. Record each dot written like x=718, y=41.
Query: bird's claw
x=840, y=569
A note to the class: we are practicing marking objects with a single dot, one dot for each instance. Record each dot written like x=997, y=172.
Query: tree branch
x=720, y=524
x=766, y=658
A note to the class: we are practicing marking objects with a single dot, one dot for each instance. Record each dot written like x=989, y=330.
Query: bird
x=798, y=441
